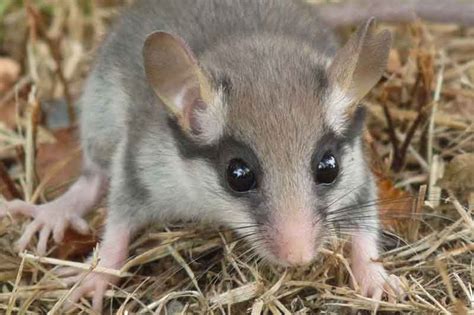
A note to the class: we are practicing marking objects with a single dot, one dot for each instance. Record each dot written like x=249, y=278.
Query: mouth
x=287, y=250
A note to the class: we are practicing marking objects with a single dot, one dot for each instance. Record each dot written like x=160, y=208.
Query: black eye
x=327, y=169
x=240, y=177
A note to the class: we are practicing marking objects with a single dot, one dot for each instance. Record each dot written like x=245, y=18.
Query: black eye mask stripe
x=217, y=155
x=337, y=145
x=227, y=148
x=331, y=141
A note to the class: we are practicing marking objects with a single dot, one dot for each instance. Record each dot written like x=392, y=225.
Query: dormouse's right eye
x=327, y=169
x=240, y=176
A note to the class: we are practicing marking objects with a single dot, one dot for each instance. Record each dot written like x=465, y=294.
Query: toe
x=18, y=207
x=364, y=289
x=71, y=280
x=77, y=294
x=80, y=225
x=394, y=288
x=377, y=294
x=66, y=272
x=30, y=230
x=43, y=240
x=58, y=231
x=68, y=275
x=98, y=298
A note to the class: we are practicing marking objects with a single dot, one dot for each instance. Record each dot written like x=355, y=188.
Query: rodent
x=245, y=113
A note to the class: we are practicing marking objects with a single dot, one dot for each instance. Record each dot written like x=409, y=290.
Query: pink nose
x=297, y=256
x=295, y=240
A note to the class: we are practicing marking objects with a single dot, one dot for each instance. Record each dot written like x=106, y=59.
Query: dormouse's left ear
x=175, y=76
x=358, y=66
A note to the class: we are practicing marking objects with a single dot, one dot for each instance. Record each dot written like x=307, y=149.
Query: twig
x=391, y=132
x=82, y=266
x=13, y=296
x=434, y=109
x=415, y=224
x=397, y=165
x=464, y=213
x=30, y=144
x=24, y=82
x=185, y=266
x=444, y=310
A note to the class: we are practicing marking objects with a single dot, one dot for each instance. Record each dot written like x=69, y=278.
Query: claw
x=79, y=225
x=371, y=276
x=56, y=216
x=375, y=282
x=58, y=232
x=25, y=239
x=43, y=240
x=49, y=220
x=394, y=288
x=94, y=284
x=113, y=253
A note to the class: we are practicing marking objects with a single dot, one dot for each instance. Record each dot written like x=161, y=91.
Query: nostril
x=294, y=259
x=299, y=257
x=294, y=239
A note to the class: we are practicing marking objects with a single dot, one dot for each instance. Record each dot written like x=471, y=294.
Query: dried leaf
x=395, y=205
x=75, y=245
x=8, y=114
x=9, y=73
x=50, y=155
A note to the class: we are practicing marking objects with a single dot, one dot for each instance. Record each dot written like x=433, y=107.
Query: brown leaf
x=8, y=114
x=9, y=73
x=60, y=163
x=395, y=205
x=51, y=155
x=75, y=245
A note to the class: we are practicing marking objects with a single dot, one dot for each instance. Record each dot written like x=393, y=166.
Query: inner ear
x=174, y=74
x=358, y=66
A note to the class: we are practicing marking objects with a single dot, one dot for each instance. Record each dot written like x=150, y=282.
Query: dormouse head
x=270, y=129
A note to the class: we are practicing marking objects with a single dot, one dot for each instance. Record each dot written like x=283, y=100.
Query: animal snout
x=297, y=255
x=296, y=239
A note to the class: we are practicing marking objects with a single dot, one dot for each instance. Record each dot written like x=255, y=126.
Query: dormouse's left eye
x=240, y=176
x=327, y=169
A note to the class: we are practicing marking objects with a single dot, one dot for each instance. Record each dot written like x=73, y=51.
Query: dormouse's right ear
x=356, y=68
x=174, y=74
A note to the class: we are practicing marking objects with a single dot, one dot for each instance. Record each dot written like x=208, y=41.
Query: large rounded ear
x=175, y=76
x=356, y=68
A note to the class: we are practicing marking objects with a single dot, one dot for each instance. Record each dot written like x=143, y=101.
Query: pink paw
x=374, y=281
x=93, y=284
x=48, y=219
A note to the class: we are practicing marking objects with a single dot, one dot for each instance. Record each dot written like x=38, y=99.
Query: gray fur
x=271, y=56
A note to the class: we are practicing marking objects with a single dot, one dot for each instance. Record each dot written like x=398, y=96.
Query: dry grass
x=420, y=137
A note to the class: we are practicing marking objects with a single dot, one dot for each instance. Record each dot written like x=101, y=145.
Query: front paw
x=91, y=284
x=50, y=219
x=374, y=281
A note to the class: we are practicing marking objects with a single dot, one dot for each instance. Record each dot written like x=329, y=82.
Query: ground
x=419, y=137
